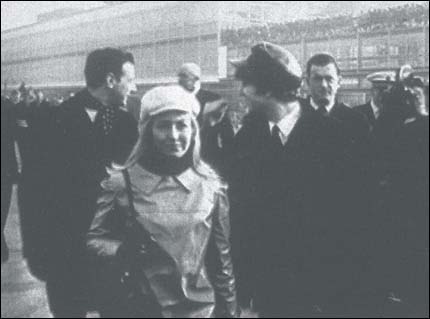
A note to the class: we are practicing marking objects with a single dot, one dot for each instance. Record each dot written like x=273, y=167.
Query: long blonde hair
x=142, y=146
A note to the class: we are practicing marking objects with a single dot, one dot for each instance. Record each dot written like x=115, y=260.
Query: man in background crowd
x=8, y=167
x=190, y=79
x=381, y=83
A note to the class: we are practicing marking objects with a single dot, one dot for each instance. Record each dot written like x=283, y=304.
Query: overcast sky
x=17, y=13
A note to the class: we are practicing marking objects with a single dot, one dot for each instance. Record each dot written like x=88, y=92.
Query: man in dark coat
x=288, y=233
x=32, y=136
x=323, y=78
x=407, y=249
x=93, y=131
x=8, y=167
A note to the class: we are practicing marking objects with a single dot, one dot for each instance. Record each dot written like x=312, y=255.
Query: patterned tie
x=108, y=117
x=106, y=114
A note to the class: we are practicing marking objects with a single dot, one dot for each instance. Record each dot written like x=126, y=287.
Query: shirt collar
x=375, y=109
x=150, y=181
x=328, y=107
x=286, y=125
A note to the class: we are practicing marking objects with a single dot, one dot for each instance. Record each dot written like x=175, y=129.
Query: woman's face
x=172, y=132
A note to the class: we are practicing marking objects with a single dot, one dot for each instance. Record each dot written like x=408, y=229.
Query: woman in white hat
x=179, y=203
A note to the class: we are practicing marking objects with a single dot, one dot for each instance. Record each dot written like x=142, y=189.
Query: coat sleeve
x=219, y=261
x=104, y=236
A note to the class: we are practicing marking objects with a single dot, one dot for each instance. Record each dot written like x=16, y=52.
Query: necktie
x=276, y=139
x=322, y=110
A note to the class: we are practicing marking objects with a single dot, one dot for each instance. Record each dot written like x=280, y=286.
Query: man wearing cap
x=381, y=84
x=288, y=164
x=189, y=78
x=92, y=130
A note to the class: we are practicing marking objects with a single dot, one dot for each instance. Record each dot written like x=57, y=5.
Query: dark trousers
x=66, y=297
x=6, y=192
x=68, y=286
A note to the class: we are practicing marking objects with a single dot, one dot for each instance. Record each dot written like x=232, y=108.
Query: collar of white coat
x=149, y=182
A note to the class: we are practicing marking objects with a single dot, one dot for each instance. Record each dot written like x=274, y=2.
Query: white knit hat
x=168, y=98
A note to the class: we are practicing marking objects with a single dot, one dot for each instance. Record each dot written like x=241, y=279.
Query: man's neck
x=100, y=95
x=281, y=110
x=328, y=107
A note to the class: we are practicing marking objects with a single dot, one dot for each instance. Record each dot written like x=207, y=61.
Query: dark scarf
x=106, y=116
x=163, y=165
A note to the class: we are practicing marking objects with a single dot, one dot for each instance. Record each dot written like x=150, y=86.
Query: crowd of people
x=408, y=16
x=290, y=206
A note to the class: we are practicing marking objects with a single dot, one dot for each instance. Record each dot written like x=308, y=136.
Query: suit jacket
x=360, y=154
x=367, y=111
x=353, y=121
x=287, y=228
x=412, y=187
x=360, y=181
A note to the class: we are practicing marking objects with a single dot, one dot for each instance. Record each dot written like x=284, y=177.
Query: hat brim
x=169, y=109
x=238, y=63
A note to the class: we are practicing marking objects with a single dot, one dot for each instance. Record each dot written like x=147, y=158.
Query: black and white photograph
x=215, y=159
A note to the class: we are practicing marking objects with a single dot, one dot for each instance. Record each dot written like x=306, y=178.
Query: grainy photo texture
x=215, y=159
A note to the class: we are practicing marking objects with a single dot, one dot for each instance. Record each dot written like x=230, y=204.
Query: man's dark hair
x=101, y=62
x=321, y=59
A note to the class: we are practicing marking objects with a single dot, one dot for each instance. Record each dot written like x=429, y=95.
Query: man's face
x=323, y=81
x=172, y=132
x=188, y=81
x=15, y=97
x=255, y=101
x=124, y=85
x=378, y=92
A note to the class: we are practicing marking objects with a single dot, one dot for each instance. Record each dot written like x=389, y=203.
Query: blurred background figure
x=411, y=205
x=9, y=168
x=221, y=123
x=15, y=97
x=41, y=100
x=381, y=83
x=190, y=79
x=32, y=136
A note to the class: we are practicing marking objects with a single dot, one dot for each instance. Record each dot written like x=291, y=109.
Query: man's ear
x=110, y=80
